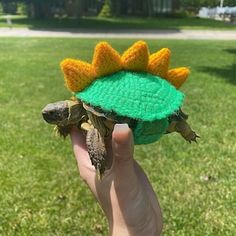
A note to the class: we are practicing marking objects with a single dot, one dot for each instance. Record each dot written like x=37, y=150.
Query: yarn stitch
x=78, y=74
x=159, y=63
x=133, y=85
x=106, y=60
x=149, y=132
x=136, y=57
x=140, y=96
x=178, y=76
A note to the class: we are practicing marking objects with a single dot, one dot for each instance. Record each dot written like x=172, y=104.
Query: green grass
x=41, y=192
x=92, y=23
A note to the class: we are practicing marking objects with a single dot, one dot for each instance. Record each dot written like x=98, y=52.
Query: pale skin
x=124, y=193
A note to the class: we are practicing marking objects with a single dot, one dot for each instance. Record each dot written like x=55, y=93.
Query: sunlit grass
x=41, y=192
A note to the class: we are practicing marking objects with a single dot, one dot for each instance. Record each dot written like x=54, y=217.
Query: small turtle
x=69, y=113
x=99, y=126
x=134, y=88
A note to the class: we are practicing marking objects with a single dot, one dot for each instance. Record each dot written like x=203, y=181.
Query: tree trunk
x=150, y=8
x=133, y=7
x=74, y=8
x=80, y=10
x=175, y=6
x=40, y=9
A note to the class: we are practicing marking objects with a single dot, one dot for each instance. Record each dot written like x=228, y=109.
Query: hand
x=125, y=193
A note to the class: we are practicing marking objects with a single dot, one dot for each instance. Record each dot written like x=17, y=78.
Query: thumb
x=122, y=146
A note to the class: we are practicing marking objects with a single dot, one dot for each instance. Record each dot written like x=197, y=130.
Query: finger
x=122, y=147
x=79, y=147
x=78, y=139
x=86, y=169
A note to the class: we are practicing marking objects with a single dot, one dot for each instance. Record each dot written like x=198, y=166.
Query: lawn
x=93, y=23
x=41, y=192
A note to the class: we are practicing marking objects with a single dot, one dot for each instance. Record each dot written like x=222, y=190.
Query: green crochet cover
x=142, y=96
x=138, y=95
x=148, y=132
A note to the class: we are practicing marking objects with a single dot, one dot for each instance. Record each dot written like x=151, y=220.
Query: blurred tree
x=77, y=8
x=38, y=8
x=35, y=8
x=9, y=6
x=230, y=3
x=205, y=3
x=106, y=9
x=149, y=6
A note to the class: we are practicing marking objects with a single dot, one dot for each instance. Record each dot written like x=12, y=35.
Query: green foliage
x=205, y=3
x=95, y=23
x=41, y=9
x=230, y=3
x=41, y=193
x=1, y=10
x=9, y=7
x=106, y=11
x=22, y=9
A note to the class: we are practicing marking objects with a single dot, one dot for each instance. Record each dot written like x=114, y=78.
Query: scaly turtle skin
x=69, y=113
x=179, y=124
x=99, y=125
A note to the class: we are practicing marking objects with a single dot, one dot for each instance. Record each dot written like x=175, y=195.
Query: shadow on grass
x=231, y=50
x=95, y=24
x=227, y=73
x=126, y=23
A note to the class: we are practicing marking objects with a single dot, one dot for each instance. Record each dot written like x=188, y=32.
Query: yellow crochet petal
x=77, y=74
x=159, y=63
x=106, y=60
x=136, y=57
x=178, y=76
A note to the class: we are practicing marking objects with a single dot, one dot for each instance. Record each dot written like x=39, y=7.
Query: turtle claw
x=99, y=174
x=195, y=140
x=192, y=137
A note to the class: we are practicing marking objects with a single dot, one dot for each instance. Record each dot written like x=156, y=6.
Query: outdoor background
x=41, y=192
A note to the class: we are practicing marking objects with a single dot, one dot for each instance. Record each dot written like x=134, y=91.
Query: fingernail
x=121, y=127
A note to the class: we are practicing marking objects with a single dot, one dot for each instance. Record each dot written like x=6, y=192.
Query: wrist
x=151, y=227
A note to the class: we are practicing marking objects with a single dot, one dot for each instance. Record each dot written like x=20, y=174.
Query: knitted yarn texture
x=136, y=84
x=141, y=96
x=78, y=74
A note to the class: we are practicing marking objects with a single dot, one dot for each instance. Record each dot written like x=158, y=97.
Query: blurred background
x=69, y=13
x=106, y=8
x=40, y=189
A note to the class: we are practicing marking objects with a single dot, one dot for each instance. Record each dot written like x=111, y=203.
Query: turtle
x=150, y=103
x=99, y=125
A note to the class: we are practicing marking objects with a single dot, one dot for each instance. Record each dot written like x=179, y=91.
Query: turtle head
x=56, y=113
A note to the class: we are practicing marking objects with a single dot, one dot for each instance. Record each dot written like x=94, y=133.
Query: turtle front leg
x=97, y=151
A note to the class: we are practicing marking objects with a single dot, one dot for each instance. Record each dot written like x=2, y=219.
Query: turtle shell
x=147, y=132
x=148, y=99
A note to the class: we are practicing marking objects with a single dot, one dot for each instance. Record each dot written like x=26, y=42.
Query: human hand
x=124, y=193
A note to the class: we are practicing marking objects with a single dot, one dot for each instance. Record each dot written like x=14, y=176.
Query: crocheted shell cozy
x=135, y=85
